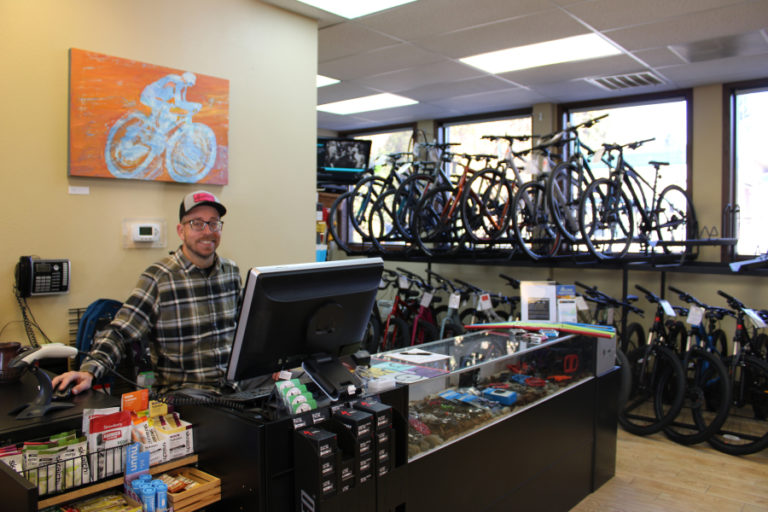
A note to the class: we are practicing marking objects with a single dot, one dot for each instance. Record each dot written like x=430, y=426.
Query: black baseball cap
x=199, y=198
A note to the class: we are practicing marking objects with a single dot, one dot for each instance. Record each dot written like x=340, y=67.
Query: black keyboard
x=248, y=395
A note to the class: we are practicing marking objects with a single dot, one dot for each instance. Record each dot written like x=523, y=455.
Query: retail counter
x=486, y=421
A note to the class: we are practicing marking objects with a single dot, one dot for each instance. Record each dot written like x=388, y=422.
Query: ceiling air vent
x=618, y=82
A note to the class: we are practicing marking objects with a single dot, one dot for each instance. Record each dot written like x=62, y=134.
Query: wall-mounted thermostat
x=148, y=233
x=145, y=232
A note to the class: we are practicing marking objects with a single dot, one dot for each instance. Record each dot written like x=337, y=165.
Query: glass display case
x=461, y=385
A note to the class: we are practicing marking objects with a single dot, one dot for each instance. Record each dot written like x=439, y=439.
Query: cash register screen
x=291, y=312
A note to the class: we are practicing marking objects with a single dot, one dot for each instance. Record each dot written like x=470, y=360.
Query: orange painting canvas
x=132, y=120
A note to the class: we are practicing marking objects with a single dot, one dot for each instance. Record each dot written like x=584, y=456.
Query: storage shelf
x=108, y=484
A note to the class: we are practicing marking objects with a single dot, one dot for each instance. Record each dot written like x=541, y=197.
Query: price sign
x=667, y=307
x=485, y=302
x=695, y=315
x=581, y=304
x=609, y=316
x=426, y=299
x=598, y=154
x=402, y=282
x=454, y=301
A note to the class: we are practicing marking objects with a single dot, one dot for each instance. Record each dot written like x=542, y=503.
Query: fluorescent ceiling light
x=322, y=81
x=570, y=49
x=351, y=9
x=366, y=104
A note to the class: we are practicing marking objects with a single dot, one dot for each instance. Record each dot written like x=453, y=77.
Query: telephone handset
x=42, y=277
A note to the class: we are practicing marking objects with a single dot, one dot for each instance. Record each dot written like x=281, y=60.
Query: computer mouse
x=65, y=393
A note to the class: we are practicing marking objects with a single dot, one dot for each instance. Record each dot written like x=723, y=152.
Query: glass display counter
x=461, y=385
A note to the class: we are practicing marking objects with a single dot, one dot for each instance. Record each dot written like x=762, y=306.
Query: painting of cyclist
x=168, y=92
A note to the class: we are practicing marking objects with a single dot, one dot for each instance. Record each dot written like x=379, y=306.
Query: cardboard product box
x=359, y=423
x=179, y=439
x=207, y=490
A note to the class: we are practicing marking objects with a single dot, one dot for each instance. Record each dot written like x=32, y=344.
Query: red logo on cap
x=203, y=196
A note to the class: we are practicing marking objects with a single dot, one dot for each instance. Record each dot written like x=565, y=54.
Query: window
x=469, y=133
x=750, y=166
x=385, y=143
x=663, y=121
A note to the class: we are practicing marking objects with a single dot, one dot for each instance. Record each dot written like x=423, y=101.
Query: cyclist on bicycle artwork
x=136, y=142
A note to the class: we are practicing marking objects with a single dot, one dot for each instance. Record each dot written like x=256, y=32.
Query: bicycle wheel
x=565, y=188
x=337, y=220
x=532, y=224
x=423, y=332
x=760, y=345
x=746, y=428
x=364, y=196
x=381, y=223
x=633, y=338
x=485, y=207
x=406, y=200
x=676, y=220
x=397, y=335
x=432, y=228
x=605, y=220
x=652, y=366
x=720, y=342
x=699, y=419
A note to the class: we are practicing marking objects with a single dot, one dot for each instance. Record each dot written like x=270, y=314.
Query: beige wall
x=270, y=59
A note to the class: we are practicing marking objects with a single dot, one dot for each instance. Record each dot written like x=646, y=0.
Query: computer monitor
x=308, y=314
x=341, y=160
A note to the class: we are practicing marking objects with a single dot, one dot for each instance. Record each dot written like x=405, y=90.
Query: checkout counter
x=484, y=421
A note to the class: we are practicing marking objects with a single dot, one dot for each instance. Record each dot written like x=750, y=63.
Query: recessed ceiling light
x=351, y=9
x=570, y=49
x=322, y=81
x=366, y=104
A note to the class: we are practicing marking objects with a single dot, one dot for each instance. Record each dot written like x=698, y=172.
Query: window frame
x=730, y=181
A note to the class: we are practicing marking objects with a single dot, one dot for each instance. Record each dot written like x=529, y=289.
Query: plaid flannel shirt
x=187, y=314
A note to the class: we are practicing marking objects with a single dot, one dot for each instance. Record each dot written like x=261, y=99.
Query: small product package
x=106, y=435
x=176, y=432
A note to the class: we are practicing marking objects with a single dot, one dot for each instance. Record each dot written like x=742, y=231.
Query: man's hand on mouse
x=82, y=380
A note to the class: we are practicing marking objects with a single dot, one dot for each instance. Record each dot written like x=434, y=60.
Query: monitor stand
x=332, y=377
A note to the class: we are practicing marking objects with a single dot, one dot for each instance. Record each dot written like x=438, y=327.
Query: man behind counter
x=185, y=305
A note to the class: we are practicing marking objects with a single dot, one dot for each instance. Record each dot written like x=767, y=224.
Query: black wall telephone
x=42, y=277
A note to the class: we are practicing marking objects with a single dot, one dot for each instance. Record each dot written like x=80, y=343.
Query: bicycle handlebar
x=585, y=124
x=514, y=283
x=732, y=301
x=649, y=295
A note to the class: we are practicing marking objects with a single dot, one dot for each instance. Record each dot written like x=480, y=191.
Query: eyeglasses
x=199, y=225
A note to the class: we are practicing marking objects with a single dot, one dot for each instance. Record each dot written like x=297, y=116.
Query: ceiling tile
x=343, y=91
x=718, y=71
x=347, y=39
x=658, y=57
x=426, y=18
x=736, y=19
x=505, y=34
x=439, y=72
x=459, y=88
x=572, y=70
x=612, y=14
x=402, y=56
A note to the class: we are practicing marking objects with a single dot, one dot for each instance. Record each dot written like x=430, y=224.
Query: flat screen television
x=304, y=315
x=341, y=160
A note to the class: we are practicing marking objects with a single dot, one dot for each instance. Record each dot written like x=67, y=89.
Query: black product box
x=347, y=474
x=360, y=423
x=384, y=445
x=316, y=461
x=382, y=413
